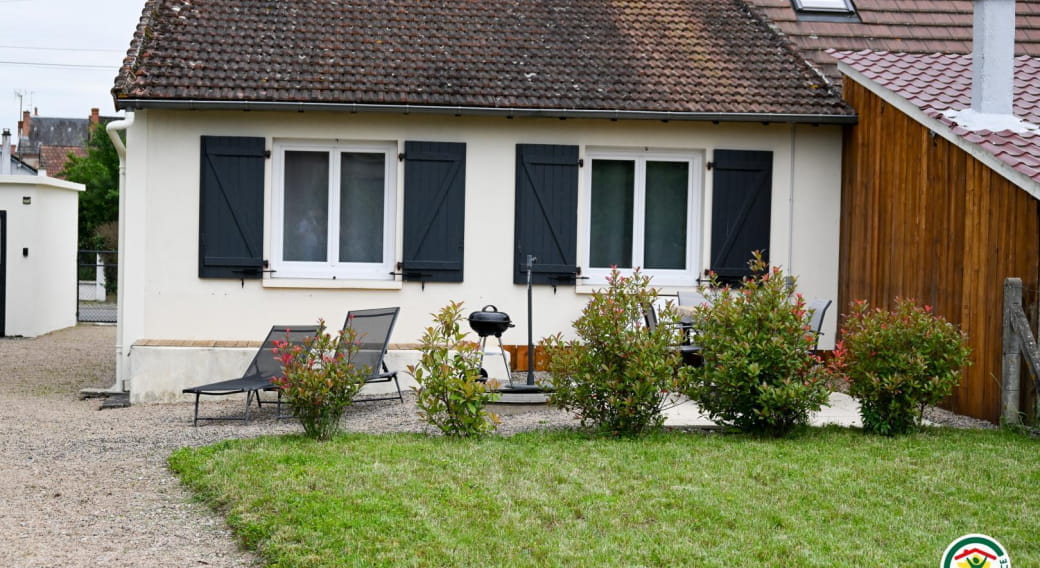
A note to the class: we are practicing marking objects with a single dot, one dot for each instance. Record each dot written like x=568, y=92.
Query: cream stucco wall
x=41, y=286
x=163, y=298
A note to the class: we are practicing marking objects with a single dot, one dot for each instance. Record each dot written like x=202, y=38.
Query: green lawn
x=829, y=497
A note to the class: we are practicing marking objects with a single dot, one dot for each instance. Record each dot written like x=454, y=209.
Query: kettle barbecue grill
x=486, y=323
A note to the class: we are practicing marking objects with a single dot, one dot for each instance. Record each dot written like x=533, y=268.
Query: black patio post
x=530, y=330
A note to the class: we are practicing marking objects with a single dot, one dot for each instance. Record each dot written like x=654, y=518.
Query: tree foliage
x=99, y=171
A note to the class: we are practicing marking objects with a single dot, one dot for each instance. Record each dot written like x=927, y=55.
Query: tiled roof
x=906, y=26
x=938, y=83
x=53, y=158
x=672, y=56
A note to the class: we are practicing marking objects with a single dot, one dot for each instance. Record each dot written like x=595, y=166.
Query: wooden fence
x=1019, y=343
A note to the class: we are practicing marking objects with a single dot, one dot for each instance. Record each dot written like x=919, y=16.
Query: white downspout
x=790, y=268
x=113, y=129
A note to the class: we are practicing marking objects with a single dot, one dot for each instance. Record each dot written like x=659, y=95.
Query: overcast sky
x=62, y=55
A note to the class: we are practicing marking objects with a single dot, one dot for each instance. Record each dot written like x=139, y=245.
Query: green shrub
x=897, y=362
x=450, y=395
x=319, y=379
x=616, y=375
x=759, y=372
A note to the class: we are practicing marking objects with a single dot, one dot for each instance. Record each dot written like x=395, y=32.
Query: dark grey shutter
x=740, y=211
x=231, y=207
x=434, y=211
x=546, y=222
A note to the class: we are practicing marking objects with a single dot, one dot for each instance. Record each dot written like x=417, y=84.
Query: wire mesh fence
x=96, y=286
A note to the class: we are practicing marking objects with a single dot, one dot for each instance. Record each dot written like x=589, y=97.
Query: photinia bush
x=759, y=373
x=451, y=395
x=897, y=362
x=319, y=379
x=617, y=374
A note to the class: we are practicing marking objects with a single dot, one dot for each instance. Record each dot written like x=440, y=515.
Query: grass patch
x=829, y=497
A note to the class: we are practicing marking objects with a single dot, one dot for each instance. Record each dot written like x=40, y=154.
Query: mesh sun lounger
x=373, y=328
x=257, y=376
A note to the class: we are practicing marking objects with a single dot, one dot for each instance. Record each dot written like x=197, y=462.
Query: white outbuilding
x=38, y=242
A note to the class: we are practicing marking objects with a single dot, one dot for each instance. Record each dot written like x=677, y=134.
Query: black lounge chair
x=373, y=328
x=258, y=375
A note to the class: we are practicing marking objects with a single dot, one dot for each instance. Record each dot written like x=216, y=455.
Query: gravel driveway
x=89, y=487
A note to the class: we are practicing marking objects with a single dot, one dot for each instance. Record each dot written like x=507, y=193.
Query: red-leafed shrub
x=319, y=379
x=897, y=362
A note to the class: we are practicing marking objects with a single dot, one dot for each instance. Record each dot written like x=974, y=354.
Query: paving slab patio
x=841, y=409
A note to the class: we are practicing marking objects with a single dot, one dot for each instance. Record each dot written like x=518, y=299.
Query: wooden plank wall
x=923, y=219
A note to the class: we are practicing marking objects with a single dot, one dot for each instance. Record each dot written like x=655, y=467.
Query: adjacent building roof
x=936, y=84
x=906, y=26
x=693, y=59
x=53, y=158
x=46, y=142
x=20, y=168
x=48, y=131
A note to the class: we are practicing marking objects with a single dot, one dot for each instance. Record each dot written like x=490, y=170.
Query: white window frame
x=831, y=6
x=332, y=268
x=694, y=219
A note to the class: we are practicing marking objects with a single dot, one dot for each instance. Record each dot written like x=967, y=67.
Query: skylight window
x=825, y=6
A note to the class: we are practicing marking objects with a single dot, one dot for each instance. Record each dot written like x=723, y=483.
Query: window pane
x=824, y=5
x=666, y=207
x=610, y=240
x=306, y=221
x=362, y=187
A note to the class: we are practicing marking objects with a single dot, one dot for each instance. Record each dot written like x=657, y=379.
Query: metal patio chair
x=258, y=374
x=817, y=308
x=690, y=352
x=373, y=328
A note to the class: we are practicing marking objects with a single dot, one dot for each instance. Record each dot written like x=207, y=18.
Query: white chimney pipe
x=993, y=57
x=5, y=154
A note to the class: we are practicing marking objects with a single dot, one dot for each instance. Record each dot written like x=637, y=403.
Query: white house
x=284, y=165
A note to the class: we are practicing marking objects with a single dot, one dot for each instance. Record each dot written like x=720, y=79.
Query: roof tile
x=699, y=56
x=936, y=83
x=908, y=26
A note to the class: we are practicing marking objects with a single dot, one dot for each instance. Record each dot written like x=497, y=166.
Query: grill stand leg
x=502, y=353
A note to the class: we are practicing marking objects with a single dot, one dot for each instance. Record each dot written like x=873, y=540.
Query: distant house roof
x=53, y=158
x=20, y=168
x=49, y=140
x=906, y=26
x=934, y=84
x=692, y=59
x=46, y=131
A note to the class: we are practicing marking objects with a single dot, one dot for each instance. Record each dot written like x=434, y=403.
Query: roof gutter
x=508, y=112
